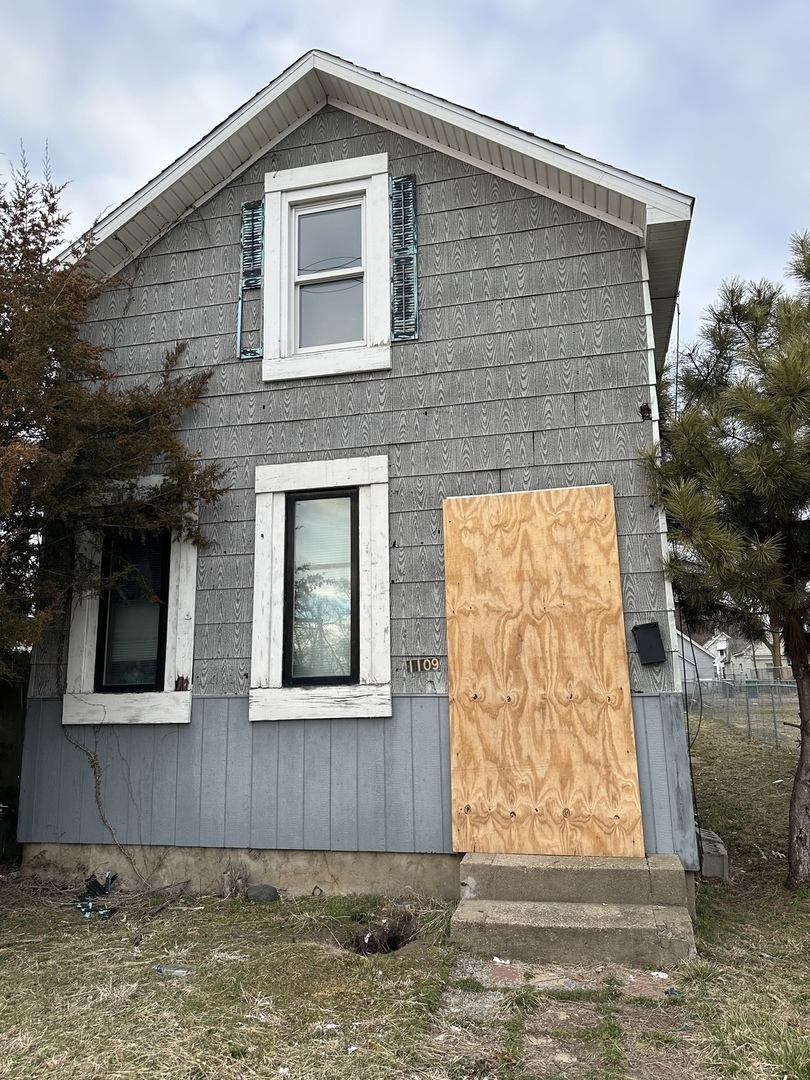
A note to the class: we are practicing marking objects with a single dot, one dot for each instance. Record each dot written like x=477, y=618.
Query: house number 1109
x=423, y=663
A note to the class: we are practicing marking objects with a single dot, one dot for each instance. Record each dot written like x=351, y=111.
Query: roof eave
x=645, y=208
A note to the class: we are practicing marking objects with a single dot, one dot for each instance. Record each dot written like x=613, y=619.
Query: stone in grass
x=268, y=894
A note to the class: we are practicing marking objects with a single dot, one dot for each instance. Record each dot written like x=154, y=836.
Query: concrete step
x=637, y=935
x=656, y=879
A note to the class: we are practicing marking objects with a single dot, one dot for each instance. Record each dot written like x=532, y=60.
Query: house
x=736, y=658
x=697, y=661
x=433, y=340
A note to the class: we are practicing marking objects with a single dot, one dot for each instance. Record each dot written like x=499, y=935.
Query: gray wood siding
x=530, y=371
x=222, y=781
x=664, y=774
x=339, y=785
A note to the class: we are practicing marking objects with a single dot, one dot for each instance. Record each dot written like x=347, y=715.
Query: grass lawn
x=274, y=992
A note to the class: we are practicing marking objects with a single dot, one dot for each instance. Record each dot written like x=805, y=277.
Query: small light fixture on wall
x=649, y=643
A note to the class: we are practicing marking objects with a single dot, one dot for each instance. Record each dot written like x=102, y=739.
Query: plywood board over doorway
x=543, y=758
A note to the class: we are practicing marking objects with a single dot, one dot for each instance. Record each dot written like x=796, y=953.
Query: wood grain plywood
x=543, y=758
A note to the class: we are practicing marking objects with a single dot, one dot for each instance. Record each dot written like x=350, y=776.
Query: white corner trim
x=148, y=708
x=269, y=699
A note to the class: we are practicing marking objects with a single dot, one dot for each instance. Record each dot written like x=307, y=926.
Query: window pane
x=330, y=240
x=132, y=642
x=322, y=600
x=330, y=312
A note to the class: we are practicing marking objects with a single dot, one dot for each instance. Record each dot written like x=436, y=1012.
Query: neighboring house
x=697, y=661
x=736, y=658
x=433, y=340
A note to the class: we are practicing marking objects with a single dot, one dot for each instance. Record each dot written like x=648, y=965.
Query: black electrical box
x=649, y=644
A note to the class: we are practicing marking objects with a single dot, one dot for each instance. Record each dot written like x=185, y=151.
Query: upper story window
x=329, y=282
x=328, y=309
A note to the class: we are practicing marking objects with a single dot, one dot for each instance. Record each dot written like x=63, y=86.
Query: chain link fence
x=762, y=711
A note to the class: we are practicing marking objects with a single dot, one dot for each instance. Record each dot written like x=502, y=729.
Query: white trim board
x=269, y=698
x=169, y=706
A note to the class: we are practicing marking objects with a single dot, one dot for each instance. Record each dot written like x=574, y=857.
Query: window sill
x=146, y=708
x=320, y=702
x=328, y=362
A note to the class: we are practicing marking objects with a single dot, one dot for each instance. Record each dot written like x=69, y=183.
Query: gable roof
x=642, y=207
x=688, y=642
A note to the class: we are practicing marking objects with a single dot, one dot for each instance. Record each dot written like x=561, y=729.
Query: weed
x=603, y=995
x=699, y=972
x=656, y=1038
x=524, y=999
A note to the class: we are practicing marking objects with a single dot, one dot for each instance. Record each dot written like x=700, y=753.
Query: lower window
x=321, y=625
x=320, y=608
x=131, y=646
x=130, y=650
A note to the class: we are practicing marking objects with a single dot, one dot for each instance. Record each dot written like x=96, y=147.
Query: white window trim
x=371, y=697
x=287, y=190
x=81, y=705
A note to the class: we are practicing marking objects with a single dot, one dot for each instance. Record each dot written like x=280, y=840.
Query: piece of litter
x=497, y=960
x=766, y=956
x=777, y=781
x=352, y=1049
x=89, y=910
x=659, y=975
x=283, y=1071
x=674, y=992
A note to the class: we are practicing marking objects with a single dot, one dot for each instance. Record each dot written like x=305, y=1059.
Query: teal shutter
x=404, y=294
x=252, y=252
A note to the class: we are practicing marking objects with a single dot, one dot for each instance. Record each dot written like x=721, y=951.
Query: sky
x=710, y=97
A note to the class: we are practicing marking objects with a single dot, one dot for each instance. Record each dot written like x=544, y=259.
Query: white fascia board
x=663, y=204
x=115, y=267
x=671, y=205
x=488, y=167
x=203, y=149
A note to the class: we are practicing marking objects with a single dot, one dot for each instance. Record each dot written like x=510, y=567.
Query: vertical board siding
x=164, y=784
x=664, y=777
x=369, y=785
x=529, y=372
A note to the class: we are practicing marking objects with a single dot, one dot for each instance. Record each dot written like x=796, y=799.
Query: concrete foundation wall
x=205, y=870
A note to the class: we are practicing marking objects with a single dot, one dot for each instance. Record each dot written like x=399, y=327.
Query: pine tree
x=74, y=444
x=733, y=474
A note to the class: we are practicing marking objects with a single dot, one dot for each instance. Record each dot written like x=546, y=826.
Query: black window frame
x=291, y=498
x=161, y=598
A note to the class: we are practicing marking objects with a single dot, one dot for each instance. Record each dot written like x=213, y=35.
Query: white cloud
x=710, y=98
